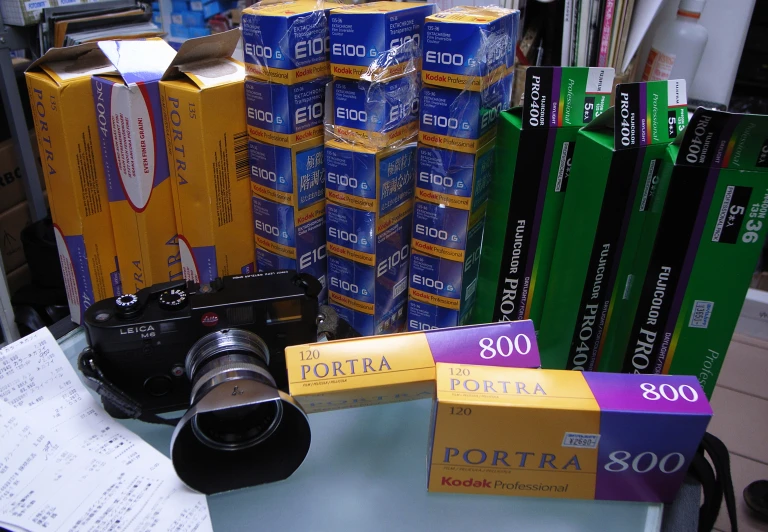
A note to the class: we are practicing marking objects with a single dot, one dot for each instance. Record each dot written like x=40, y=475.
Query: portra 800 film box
x=204, y=112
x=67, y=133
x=711, y=233
x=563, y=434
x=399, y=367
x=535, y=146
x=139, y=188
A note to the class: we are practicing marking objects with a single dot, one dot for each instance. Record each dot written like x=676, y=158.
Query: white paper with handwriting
x=66, y=465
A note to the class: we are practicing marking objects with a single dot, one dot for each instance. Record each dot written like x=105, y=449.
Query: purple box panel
x=674, y=394
x=509, y=344
x=645, y=457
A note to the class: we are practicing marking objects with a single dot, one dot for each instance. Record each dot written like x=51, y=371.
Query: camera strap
x=113, y=397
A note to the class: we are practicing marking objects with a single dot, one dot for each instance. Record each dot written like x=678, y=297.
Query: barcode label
x=241, y=155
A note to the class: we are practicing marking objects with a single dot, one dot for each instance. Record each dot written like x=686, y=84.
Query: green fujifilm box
x=710, y=235
x=613, y=184
x=534, y=150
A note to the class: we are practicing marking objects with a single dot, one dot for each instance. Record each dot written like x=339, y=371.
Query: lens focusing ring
x=223, y=342
x=227, y=368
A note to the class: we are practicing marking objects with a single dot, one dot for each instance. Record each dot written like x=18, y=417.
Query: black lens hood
x=211, y=471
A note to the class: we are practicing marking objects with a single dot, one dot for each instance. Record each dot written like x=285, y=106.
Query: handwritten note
x=66, y=465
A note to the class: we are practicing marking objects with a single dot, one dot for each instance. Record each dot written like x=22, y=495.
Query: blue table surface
x=366, y=470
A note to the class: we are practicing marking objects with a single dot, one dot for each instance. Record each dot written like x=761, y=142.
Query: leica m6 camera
x=217, y=351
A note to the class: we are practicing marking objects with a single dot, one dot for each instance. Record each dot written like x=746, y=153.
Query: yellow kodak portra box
x=67, y=133
x=563, y=434
x=203, y=102
x=399, y=367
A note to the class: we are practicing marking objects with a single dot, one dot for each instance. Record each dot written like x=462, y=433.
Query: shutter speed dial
x=175, y=299
x=127, y=305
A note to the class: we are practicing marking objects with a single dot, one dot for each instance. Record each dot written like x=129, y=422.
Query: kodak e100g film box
x=372, y=298
x=468, y=47
x=292, y=175
x=377, y=40
x=285, y=115
x=605, y=226
x=203, y=108
x=293, y=233
x=67, y=133
x=374, y=114
x=400, y=367
x=444, y=264
x=374, y=251
x=563, y=434
x=286, y=42
x=372, y=180
x=453, y=178
x=135, y=159
x=535, y=146
x=462, y=120
x=709, y=238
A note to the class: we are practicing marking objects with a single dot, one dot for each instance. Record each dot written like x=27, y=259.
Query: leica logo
x=137, y=330
x=209, y=319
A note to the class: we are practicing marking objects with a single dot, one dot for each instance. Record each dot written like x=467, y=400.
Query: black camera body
x=142, y=340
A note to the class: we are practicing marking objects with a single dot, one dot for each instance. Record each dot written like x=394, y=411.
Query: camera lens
x=225, y=364
x=238, y=427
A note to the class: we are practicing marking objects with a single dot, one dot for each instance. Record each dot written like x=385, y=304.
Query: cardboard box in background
x=563, y=434
x=370, y=40
x=136, y=161
x=286, y=43
x=67, y=133
x=12, y=222
x=372, y=180
x=462, y=120
x=285, y=115
x=605, y=227
x=12, y=190
x=203, y=102
x=18, y=278
x=468, y=47
x=534, y=151
x=398, y=367
x=376, y=115
x=711, y=233
x=24, y=12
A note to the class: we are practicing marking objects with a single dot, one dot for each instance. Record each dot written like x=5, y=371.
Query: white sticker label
x=36, y=5
x=582, y=441
x=702, y=311
x=400, y=287
x=561, y=168
x=599, y=81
